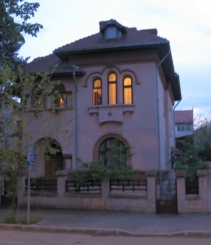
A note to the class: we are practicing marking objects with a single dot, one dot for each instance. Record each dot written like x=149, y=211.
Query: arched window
x=112, y=89
x=111, y=151
x=97, y=92
x=59, y=96
x=127, y=91
x=38, y=97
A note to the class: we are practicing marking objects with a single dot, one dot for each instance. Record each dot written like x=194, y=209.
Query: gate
x=5, y=202
x=166, y=202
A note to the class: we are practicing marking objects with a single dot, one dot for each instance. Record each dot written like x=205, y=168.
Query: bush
x=117, y=168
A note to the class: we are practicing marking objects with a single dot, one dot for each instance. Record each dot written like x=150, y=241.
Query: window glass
x=38, y=97
x=97, y=92
x=112, y=89
x=59, y=96
x=127, y=81
x=111, y=32
x=112, y=77
x=127, y=90
x=108, y=156
x=112, y=93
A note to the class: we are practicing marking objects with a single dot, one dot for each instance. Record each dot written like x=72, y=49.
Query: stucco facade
x=145, y=121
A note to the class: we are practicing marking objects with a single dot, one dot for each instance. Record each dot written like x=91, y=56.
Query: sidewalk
x=97, y=222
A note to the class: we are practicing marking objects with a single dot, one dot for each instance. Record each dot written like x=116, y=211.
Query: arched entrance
x=48, y=158
x=53, y=159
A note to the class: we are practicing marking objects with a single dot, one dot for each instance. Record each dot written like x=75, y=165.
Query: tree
x=196, y=149
x=15, y=119
x=14, y=17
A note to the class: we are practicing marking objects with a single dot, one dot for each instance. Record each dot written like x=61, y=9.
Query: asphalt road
x=16, y=237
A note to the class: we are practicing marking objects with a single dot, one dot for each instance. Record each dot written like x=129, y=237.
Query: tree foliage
x=196, y=149
x=14, y=23
x=15, y=118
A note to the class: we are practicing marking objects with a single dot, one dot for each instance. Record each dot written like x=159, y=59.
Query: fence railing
x=128, y=185
x=192, y=186
x=42, y=185
x=91, y=186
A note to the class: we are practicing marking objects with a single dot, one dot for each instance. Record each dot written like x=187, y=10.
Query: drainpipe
x=174, y=121
x=77, y=122
x=158, y=119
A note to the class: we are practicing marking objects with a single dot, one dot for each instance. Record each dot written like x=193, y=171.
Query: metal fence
x=128, y=185
x=90, y=186
x=192, y=186
x=42, y=185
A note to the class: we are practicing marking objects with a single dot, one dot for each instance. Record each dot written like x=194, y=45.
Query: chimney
x=151, y=31
x=102, y=23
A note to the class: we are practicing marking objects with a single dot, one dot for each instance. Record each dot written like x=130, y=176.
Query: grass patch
x=19, y=220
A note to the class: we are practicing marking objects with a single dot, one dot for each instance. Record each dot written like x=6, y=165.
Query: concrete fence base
x=143, y=201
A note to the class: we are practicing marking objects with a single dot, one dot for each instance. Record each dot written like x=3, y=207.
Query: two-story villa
x=118, y=81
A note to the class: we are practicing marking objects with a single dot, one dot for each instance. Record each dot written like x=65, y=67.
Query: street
x=15, y=237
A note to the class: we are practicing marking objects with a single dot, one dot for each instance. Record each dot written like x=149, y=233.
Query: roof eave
x=162, y=47
x=66, y=53
x=68, y=73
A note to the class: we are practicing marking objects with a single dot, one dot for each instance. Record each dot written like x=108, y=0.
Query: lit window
x=59, y=96
x=38, y=97
x=97, y=92
x=112, y=92
x=127, y=90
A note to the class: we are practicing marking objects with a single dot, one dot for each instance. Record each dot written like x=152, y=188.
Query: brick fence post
x=151, y=191
x=209, y=186
x=181, y=192
x=202, y=180
x=61, y=182
x=0, y=189
x=105, y=188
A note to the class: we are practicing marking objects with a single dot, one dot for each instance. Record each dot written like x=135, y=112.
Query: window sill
x=60, y=108
x=35, y=109
x=111, y=113
x=125, y=108
x=48, y=109
x=192, y=197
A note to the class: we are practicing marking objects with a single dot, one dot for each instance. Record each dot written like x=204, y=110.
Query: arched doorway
x=53, y=159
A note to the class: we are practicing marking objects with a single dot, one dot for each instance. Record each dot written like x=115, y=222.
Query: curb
x=102, y=232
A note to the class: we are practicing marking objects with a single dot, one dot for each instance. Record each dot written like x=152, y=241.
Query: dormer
x=111, y=29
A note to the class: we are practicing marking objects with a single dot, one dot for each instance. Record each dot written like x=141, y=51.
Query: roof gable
x=184, y=116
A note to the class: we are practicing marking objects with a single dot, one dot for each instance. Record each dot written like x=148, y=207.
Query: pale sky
x=185, y=23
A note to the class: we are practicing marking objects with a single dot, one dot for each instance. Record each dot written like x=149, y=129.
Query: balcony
x=111, y=113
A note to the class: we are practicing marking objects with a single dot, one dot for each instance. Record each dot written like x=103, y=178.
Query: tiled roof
x=133, y=37
x=47, y=63
x=42, y=64
x=185, y=116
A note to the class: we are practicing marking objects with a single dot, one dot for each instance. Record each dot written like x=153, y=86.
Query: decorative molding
x=111, y=64
x=92, y=76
